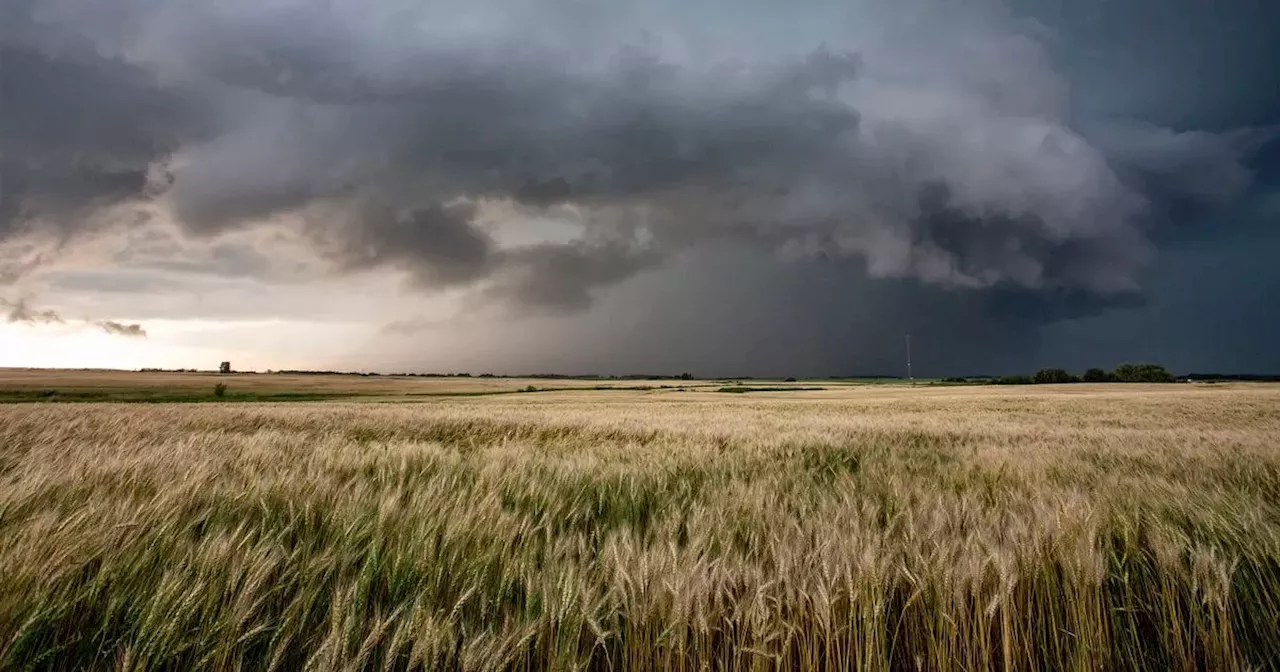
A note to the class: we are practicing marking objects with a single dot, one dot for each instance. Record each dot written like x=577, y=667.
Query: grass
x=1080, y=527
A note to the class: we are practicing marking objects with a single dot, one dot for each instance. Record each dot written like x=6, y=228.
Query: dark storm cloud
x=733, y=311
x=561, y=277
x=938, y=147
x=1208, y=167
x=381, y=156
x=778, y=151
x=437, y=244
x=1184, y=63
x=79, y=131
x=1211, y=307
x=118, y=329
x=1186, y=176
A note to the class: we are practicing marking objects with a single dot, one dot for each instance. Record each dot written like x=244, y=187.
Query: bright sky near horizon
x=179, y=344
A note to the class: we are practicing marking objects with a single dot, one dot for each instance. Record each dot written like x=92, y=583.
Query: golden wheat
x=1076, y=527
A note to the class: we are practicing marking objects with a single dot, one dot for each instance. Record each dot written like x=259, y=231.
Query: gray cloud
x=80, y=133
x=437, y=244
x=1204, y=166
x=563, y=276
x=20, y=312
x=731, y=311
x=118, y=329
x=938, y=147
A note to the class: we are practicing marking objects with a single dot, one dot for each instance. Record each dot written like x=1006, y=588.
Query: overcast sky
x=594, y=186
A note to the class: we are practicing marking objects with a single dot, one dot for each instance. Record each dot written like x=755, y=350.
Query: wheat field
x=874, y=528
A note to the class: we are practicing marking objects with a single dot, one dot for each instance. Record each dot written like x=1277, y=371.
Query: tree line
x=1125, y=373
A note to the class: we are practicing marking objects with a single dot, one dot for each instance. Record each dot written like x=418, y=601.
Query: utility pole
x=909, y=376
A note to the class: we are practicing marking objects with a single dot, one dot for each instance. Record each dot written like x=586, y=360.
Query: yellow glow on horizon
x=175, y=344
x=73, y=346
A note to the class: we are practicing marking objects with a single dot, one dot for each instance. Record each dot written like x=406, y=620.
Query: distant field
x=1075, y=527
x=30, y=384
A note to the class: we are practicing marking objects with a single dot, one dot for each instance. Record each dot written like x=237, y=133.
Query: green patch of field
x=157, y=396
x=742, y=389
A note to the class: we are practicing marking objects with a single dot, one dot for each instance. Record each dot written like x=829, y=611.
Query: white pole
x=909, y=376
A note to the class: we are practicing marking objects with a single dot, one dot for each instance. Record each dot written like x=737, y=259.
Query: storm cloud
x=929, y=143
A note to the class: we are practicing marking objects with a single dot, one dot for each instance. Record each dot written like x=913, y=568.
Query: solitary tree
x=1142, y=373
x=225, y=367
x=1051, y=377
x=1096, y=376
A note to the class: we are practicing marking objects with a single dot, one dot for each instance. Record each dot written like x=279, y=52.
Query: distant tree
x=224, y=367
x=1013, y=380
x=1097, y=376
x=1142, y=373
x=686, y=376
x=789, y=380
x=1051, y=377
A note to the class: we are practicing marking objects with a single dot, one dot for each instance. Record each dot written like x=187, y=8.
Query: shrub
x=1051, y=377
x=220, y=390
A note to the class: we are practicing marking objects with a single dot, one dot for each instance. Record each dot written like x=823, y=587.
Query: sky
x=601, y=187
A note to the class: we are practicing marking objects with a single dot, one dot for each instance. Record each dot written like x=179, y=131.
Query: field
x=869, y=527
x=20, y=385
